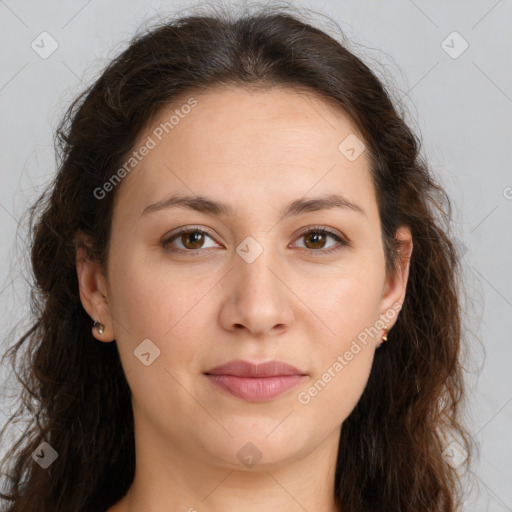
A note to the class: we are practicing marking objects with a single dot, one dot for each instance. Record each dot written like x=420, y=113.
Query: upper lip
x=241, y=368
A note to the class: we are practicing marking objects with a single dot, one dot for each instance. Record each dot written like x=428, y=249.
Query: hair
x=390, y=453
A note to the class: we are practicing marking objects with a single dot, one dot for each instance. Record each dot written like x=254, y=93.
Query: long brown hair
x=391, y=447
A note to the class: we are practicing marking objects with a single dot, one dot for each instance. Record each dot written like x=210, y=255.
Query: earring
x=385, y=336
x=98, y=326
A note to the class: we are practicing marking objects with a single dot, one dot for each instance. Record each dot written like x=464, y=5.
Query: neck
x=172, y=479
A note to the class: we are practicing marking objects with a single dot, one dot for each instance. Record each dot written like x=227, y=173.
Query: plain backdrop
x=449, y=64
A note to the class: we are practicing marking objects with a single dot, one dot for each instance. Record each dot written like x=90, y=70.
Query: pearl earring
x=99, y=326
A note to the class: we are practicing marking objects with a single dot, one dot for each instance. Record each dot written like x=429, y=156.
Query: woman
x=244, y=295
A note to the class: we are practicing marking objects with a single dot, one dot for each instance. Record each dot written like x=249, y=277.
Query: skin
x=256, y=151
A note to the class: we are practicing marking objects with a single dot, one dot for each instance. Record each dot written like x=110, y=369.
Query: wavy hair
x=391, y=447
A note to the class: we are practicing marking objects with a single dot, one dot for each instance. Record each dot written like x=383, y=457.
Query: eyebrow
x=299, y=206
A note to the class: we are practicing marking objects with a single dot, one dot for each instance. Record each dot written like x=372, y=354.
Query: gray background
x=460, y=106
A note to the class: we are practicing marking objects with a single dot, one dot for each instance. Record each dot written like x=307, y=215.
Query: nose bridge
x=255, y=269
x=257, y=292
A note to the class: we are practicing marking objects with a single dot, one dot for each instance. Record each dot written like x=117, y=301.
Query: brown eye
x=316, y=240
x=192, y=239
x=187, y=240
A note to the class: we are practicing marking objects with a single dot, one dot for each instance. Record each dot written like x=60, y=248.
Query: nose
x=258, y=300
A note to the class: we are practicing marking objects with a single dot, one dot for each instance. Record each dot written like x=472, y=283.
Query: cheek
x=169, y=306
x=149, y=297
x=152, y=303
x=343, y=360
x=333, y=393
x=348, y=303
x=343, y=356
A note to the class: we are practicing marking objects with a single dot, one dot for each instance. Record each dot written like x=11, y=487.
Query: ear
x=393, y=294
x=93, y=293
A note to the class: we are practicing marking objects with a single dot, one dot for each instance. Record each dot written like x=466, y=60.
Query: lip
x=255, y=382
x=241, y=368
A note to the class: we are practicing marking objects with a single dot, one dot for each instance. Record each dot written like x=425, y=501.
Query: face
x=258, y=282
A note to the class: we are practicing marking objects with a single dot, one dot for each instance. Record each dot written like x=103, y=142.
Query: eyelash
x=315, y=229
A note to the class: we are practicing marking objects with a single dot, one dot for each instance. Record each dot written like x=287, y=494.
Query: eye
x=191, y=239
x=316, y=239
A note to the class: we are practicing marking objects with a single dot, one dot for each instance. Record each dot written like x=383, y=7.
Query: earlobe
x=93, y=294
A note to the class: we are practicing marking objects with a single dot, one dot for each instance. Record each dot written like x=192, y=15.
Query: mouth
x=255, y=382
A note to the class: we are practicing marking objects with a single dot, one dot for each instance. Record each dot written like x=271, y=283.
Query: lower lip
x=256, y=389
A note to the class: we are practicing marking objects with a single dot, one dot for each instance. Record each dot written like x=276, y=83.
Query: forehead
x=284, y=118
x=248, y=145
